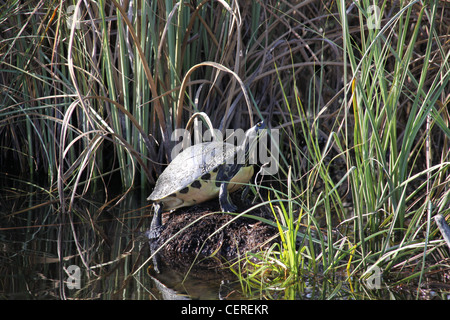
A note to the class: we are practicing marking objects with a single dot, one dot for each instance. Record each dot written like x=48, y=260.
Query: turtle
x=203, y=172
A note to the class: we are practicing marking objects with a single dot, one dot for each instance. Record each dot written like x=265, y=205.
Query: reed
x=393, y=107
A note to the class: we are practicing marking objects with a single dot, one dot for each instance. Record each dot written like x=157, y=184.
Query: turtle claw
x=228, y=207
x=224, y=198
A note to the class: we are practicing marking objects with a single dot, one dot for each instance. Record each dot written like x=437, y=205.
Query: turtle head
x=252, y=137
x=256, y=132
x=260, y=128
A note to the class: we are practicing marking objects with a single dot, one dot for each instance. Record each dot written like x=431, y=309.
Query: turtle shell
x=190, y=177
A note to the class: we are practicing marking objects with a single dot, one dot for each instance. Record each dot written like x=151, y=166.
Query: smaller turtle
x=203, y=172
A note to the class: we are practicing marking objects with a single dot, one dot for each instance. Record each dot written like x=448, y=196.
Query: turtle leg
x=224, y=175
x=245, y=192
x=224, y=198
x=156, y=225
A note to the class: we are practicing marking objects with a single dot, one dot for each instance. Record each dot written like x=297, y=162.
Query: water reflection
x=198, y=283
x=96, y=251
x=91, y=252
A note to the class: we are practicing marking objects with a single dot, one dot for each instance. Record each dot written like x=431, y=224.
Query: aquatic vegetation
x=92, y=92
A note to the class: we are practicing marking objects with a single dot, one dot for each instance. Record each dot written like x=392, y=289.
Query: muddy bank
x=209, y=232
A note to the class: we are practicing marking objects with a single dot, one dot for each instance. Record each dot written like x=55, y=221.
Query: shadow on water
x=93, y=252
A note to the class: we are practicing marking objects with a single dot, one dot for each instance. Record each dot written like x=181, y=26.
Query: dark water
x=87, y=251
x=93, y=250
